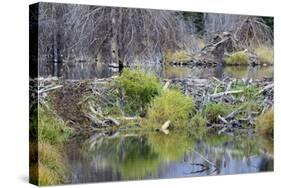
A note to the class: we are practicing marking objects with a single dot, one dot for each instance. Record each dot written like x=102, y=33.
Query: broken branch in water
x=204, y=158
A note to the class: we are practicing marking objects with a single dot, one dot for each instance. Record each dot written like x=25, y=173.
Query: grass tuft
x=237, y=58
x=51, y=129
x=171, y=105
x=180, y=55
x=213, y=110
x=265, y=54
x=139, y=89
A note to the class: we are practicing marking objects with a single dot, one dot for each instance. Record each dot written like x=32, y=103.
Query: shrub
x=265, y=123
x=139, y=88
x=265, y=54
x=237, y=58
x=51, y=129
x=177, y=56
x=171, y=105
x=213, y=110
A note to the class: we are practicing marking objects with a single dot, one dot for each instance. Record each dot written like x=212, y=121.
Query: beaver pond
x=134, y=154
x=139, y=155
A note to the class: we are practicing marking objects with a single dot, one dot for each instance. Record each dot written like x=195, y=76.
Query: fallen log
x=43, y=90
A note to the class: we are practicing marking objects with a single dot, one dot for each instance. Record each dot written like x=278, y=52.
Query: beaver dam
x=183, y=127
x=132, y=94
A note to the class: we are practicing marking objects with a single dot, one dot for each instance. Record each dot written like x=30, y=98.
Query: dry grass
x=180, y=55
x=265, y=54
x=237, y=58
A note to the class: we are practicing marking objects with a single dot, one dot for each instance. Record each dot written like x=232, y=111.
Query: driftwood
x=265, y=88
x=222, y=119
x=164, y=127
x=226, y=93
x=49, y=88
x=204, y=91
x=165, y=87
x=105, y=122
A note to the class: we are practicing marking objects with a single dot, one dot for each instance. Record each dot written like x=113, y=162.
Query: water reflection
x=89, y=70
x=75, y=70
x=218, y=72
x=127, y=156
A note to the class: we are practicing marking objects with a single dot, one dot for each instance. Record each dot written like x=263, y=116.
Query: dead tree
x=111, y=34
x=248, y=30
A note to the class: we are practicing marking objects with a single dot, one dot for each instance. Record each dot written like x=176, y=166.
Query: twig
x=165, y=87
x=265, y=88
x=222, y=119
x=226, y=93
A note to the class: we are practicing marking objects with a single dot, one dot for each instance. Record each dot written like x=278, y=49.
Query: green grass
x=171, y=105
x=265, y=123
x=265, y=54
x=51, y=129
x=237, y=58
x=213, y=110
x=139, y=89
x=52, y=132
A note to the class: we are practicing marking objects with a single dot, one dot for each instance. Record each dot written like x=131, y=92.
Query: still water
x=139, y=155
x=257, y=72
x=77, y=71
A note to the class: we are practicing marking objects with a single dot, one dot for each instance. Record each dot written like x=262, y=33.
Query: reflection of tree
x=237, y=72
x=248, y=72
x=130, y=155
x=170, y=147
x=228, y=153
x=137, y=157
